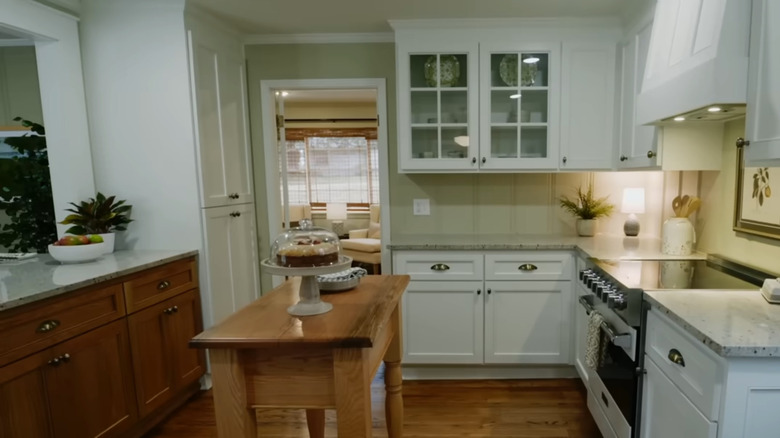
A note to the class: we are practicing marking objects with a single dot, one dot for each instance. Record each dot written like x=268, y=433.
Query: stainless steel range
x=614, y=288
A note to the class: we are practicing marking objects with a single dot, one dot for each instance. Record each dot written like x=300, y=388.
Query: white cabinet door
x=666, y=412
x=762, y=129
x=587, y=106
x=527, y=322
x=231, y=257
x=437, y=107
x=580, y=334
x=219, y=93
x=443, y=322
x=638, y=143
x=519, y=106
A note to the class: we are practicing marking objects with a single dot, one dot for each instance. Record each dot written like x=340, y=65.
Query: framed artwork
x=757, y=209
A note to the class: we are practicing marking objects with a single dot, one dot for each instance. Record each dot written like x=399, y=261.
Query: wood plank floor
x=472, y=408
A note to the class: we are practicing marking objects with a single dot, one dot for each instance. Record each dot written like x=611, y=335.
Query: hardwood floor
x=472, y=408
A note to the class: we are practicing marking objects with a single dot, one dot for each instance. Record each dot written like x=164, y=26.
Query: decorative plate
x=449, y=68
x=507, y=70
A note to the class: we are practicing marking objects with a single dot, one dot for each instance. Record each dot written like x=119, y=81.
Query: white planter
x=586, y=227
x=109, y=239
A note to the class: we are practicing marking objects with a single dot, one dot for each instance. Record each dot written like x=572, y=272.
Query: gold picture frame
x=757, y=209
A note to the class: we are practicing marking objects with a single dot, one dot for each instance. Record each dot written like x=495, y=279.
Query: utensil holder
x=679, y=237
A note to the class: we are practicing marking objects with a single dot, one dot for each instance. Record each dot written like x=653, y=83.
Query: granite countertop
x=732, y=323
x=41, y=277
x=602, y=246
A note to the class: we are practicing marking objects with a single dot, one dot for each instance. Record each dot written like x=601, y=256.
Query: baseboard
x=473, y=372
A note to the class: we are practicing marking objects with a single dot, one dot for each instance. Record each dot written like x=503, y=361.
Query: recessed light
x=679, y=119
x=515, y=96
x=284, y=93
x=713, y=109
x=531, y=59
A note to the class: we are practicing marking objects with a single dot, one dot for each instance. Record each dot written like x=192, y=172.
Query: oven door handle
x=619, y=339
x=586, y=304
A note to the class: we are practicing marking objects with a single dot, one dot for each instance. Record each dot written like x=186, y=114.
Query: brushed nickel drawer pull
x=165, y=284
x=47, y=326
x=440, y=267
x=676, y=357
x=527, y=267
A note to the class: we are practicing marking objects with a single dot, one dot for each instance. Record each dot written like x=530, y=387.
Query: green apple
x=95, y=238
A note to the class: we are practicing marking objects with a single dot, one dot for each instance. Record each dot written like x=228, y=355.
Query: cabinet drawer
x=439, y=265
x=702, y=373
x=159, y=284
x=528, y=265
x=40, y=325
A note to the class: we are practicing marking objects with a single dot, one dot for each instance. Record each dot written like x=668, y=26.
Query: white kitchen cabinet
x=527, y=322
x=519, y=103
x=232, y=259
x=763, y=95
x=218, y=74
x=443, y=322
x=581, y=322
x=587, y=106
x=437, y=106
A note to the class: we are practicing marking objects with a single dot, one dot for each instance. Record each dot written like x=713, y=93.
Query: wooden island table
x=261, y=357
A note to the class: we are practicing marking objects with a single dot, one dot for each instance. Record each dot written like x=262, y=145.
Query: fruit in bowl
x=77, y=249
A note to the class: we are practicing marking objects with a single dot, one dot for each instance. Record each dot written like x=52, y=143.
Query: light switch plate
x=422, y=207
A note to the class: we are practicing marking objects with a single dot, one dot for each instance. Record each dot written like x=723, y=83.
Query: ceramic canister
x=678, y=236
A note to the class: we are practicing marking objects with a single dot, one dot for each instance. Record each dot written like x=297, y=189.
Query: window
x=335, y=165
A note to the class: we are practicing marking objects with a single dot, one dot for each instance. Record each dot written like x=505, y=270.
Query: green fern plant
x=98, y=215
x=586, y=206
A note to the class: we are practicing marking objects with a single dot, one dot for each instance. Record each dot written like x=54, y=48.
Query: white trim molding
x=493, y=23
x=320, y=38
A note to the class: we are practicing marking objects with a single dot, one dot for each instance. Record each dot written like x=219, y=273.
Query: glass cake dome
x=305, y=246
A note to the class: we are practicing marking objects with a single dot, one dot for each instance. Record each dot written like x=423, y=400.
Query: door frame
x=268, y=110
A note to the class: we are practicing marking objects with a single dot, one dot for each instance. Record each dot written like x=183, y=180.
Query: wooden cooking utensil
x=693, y=205
x=676, y=204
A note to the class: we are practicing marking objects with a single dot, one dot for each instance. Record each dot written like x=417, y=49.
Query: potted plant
x=99, y=215
x=586, y=208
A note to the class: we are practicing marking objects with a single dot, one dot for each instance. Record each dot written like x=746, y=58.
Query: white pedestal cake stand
x=309, y=303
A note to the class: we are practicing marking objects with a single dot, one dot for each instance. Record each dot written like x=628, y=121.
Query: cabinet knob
x=165, y=284
x=650, y=154
x=479, y=291
x=47, y=326
x=527, y=267
x=676, y=357
x=168, y=311
x=65, y=357
x=440, y=267
x=490, y=291
x=54, y=362
x=484, y=160
x=235, y=214
x=474, y=160
x=623, y=158
x=233, y=196
x=175, y=309
x=564, y=160
x=741, y=142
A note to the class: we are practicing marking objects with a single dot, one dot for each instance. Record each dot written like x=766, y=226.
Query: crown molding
x=321, y=38
x=491, y=23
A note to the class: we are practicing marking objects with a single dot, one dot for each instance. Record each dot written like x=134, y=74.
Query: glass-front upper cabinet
x=519, y=115
x=438, y=110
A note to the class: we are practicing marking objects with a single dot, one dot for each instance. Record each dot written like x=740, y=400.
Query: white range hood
x=698, y=59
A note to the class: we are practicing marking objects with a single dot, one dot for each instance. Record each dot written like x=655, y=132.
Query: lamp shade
x=336, y=211
x=633, y=200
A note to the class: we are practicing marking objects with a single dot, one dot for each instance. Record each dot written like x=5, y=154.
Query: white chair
x=365, y=245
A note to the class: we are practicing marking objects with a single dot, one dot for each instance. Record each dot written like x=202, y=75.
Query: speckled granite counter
x=731, y=323
x=602, y=246
x=42, y=277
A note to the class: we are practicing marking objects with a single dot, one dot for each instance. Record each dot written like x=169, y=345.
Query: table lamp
x=633, y=204
x=336, y=213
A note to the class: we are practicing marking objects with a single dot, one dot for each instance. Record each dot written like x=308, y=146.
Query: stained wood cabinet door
x=162, y=361
x=80, y=388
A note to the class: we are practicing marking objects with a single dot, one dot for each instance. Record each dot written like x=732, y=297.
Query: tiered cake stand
x=310, y=302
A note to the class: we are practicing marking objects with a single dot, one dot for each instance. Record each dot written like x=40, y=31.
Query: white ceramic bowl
x=77, y=253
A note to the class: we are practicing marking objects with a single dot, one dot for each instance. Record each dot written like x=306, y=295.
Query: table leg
x=394, y=403
x=235, y=419
x=352, y=383
x=315, y=420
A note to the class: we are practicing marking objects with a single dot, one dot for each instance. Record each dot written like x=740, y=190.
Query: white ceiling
x=257, y=17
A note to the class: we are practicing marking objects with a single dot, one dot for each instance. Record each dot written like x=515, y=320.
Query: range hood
x=697, y=62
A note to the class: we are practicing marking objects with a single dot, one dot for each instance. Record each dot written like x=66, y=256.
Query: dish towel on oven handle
x=596, y=342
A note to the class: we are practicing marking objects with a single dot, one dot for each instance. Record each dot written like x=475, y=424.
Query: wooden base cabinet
x=80, y=388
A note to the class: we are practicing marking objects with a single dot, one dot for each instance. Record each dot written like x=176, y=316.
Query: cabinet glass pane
x=503, y=70
x=503, y=142
x=533, y=106
x=425, y=142
x=533, y=142
x=438, y=70
x=424, y=107
x=534, y=69
x=453, y=140
x=454, y=106
x=503, y=108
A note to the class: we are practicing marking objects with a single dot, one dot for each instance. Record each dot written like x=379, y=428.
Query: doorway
x=334, y=134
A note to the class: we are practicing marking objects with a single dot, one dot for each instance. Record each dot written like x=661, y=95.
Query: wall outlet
x=422, y=207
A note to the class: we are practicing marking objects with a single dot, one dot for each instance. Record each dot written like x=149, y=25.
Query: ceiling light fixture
x=531, y=59
x=679, y=119
x=713, y=109
x=515, y=96
x=285, y=94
